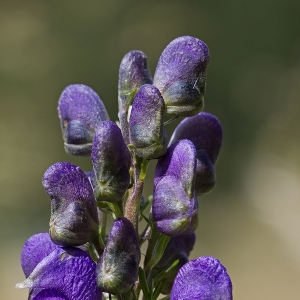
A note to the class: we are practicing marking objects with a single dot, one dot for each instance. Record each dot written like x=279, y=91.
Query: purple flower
x=180, y=76
x=175, y=205
x=111, y=163
x=74, y=218
x=203, y=278
x=57, y=273
x=178, y=248
x=147, y=132
x=80, y=110
x=205, y=131
x=117, y=268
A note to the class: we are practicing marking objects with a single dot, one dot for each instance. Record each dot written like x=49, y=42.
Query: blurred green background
x=251, y=220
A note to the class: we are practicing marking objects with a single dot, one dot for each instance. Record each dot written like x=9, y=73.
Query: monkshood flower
x=117, y=268
x=203, y=278
x=205, y=131
x=147, y=132
x=60, y=273
x=180, y=76
x=175, y=205
x=80, y=110
x=77, y=259
x=111, y=163
x=74, y=218
x=133, y=74
x=178, y=248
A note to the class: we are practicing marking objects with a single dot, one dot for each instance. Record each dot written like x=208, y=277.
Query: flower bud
x=175, y=205
x=147, y=132
x=202, y=278
x=133, y=73
x=178, y=248
x=66, y=273
x=111, y=163
x=180, y=76
x=117, y=268
x=80, y=110
x=205, y=131
x=74, y=219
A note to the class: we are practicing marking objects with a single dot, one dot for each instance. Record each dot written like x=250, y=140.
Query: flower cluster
x=78, y=259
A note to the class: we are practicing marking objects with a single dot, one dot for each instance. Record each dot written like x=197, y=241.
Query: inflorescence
x=77, y=260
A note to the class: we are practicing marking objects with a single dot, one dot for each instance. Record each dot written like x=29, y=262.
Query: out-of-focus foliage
x=250, y=221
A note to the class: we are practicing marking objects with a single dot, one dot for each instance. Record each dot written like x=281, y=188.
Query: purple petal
x=46, y=294
x=74, y=218
x=180, y=162
x=70, y=271
x=35, y=249
x=147, y=132
x=181, y=75
x=203, y=278
x=173, y=212
x=204, y=130
x=111, y=163
x=117, y=268
x=80, y=110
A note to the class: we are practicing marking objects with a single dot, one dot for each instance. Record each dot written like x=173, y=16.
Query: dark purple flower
x=181, y=76
x=117, y=268
x=203, y=278
x=62, y=274
x=74, y=218
x=205, y=131
x=175, y=205
x=111, y=163
x=147, y=132
x=178, y=248
x=80, y=110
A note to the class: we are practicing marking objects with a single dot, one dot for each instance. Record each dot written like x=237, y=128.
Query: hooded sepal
x=80, y=110
x=147, y=132
x=201, y=279
x=175, y=205
x=117, y=268
x=180, y=75
x=111, y=163
x=205, y=131
x=74, y=217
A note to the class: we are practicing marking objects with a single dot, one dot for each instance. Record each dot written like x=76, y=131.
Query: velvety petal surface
x=203, y=278
x=69, y=271
x=111, y=163
x=147, y=132
x=205, y=131
x=74, y=218
x=35, y=249
x=180, y=75
x=117, y=268
x=80, y=110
